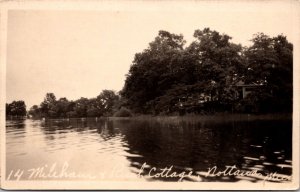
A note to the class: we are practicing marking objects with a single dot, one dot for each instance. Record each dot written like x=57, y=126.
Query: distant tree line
x=107, y=103
x=209, y=75
x=16, y=109
x=170, y=77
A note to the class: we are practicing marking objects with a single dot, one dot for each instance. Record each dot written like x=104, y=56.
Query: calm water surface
x=117, y=149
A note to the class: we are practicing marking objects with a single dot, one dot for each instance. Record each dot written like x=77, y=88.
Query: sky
x=78, y=53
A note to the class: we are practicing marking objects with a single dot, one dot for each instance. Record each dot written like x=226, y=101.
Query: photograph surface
x=149, y=95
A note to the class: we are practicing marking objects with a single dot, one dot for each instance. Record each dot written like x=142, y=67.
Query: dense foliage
x=105, y=104
x=171, y=77
x=123, y=112
x=210, y=74
x=16, y=109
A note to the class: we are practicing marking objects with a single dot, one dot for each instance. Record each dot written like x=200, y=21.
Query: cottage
x=245, y=89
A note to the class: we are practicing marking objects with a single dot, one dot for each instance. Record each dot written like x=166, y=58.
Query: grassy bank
x=215, y=117
x=192, y=118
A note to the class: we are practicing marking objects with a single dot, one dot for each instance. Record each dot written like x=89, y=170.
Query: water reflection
x=199, y=146
x=94, y=145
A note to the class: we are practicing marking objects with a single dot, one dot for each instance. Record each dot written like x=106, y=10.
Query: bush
x=123, y=112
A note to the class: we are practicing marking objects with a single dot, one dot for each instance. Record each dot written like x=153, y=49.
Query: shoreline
x=215, y=117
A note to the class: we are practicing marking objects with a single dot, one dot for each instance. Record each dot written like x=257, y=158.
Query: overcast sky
x=79, y=53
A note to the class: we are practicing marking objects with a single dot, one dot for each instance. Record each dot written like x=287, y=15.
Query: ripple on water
x=132, y=143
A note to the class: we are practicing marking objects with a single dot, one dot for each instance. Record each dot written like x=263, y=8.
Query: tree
x=35, y=111
x=270, y=63
x=170, y=77
x=261, y=58
x=16, y=108
x=48, y=106
x=95, y=108
x=218, y=61
x=106, y=102
x=81, y=107
x=63, y=106
x=211, y=61
x=8, y=109
x=152, y=71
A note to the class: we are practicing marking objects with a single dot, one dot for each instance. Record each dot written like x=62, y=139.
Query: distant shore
x=193, y=117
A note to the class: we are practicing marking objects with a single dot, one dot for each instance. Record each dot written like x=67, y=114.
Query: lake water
x=117, y=149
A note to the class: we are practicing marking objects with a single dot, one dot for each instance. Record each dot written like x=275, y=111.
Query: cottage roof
x=242, y=84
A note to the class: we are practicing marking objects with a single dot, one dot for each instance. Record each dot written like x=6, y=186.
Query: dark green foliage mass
x=211, y=74
x=123, y=112
x=16, y=109
x=270, y=62
x=170, y=76
x=105, y=104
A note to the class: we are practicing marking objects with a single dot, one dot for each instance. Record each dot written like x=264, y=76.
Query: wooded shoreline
x=215, y=117
x=210, y=75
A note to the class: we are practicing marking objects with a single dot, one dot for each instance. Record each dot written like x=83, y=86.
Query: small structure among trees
x=245, y=89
